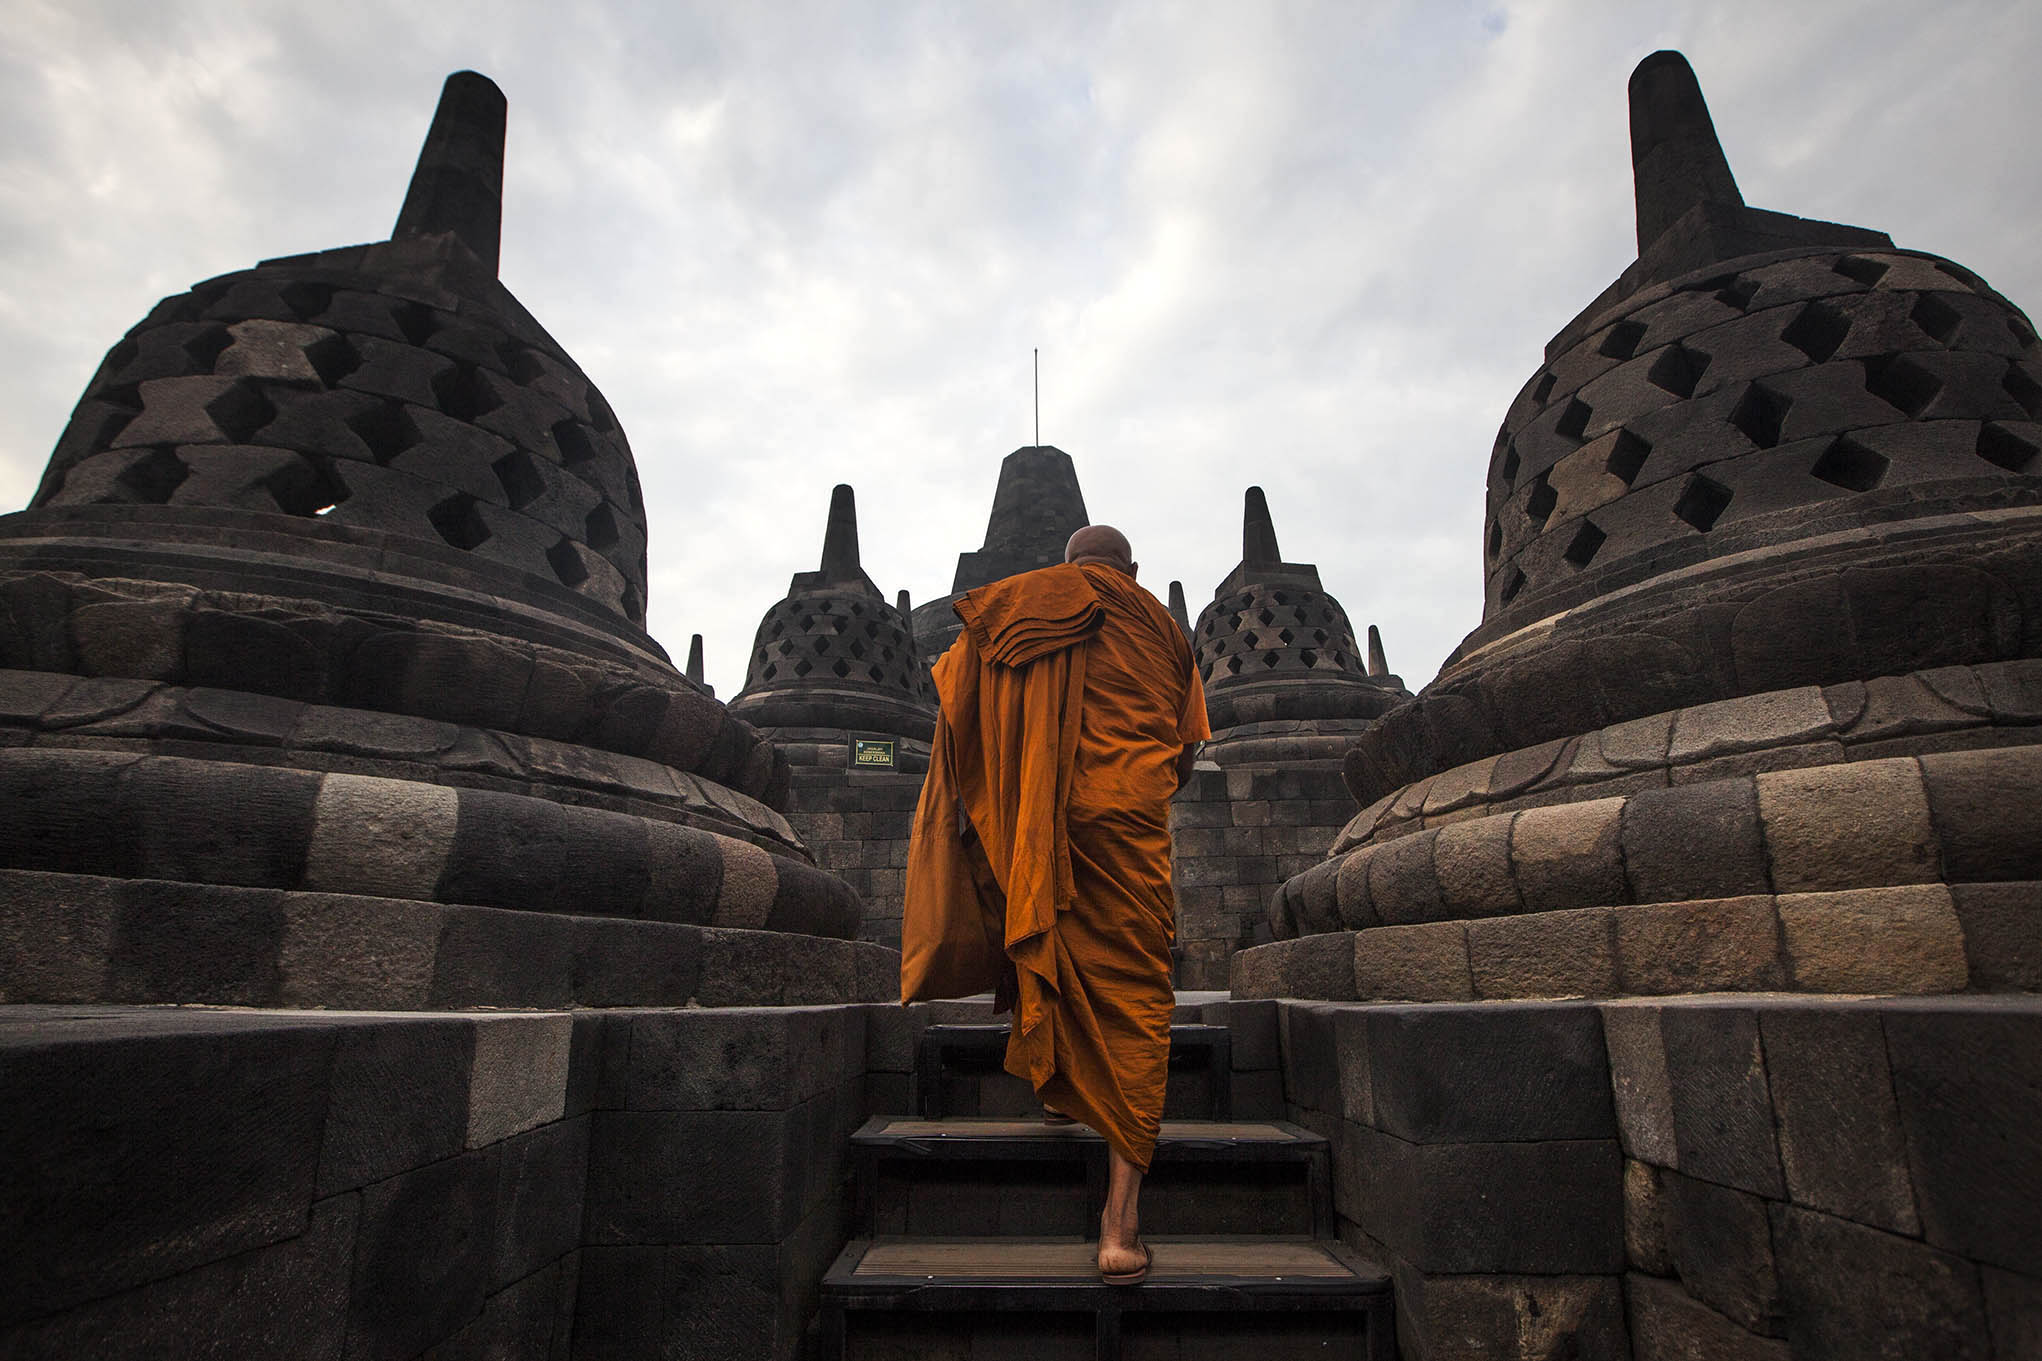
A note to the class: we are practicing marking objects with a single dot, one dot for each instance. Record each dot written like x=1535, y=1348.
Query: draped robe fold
x=1040, y=863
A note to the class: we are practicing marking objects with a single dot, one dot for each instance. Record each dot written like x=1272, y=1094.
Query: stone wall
x=1235, y=837
x=856, y=823
x=1758, y=1177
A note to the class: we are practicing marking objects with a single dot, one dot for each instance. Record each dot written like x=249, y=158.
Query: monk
x=1039, y=869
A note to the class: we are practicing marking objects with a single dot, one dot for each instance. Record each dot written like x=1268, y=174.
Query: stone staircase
x=974, y=1233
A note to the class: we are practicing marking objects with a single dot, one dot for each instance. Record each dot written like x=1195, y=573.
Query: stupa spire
x=1676, y=160
x=1178, y=610
x=1258, y=531
x=458, y=185
x=840, y=537
x=1378, y=664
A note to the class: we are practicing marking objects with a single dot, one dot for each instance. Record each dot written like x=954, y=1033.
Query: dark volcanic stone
x=195, y=943
x=696, y=1176
x=540, y=1178
x=1722, y=1111
x=1694, y=841
x=1839, y=1129
x=494, y=958
x=227, y=650
x=59, y=812
x=423, y=1257
x=88, y=1197
x=1853, y=1293
x=2002, y=926
x=1513, y=1070
x=1987, y=807
x=1548, y=1207
x=1722, y=1248
x=1311, y=1061
x=399, y=1100
x=634, y=964
x=213, y=822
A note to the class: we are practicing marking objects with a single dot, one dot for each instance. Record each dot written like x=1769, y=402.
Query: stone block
x=1402, y=887
x=635, y=963
x=1357, y=910
x=699, y=1176
x=1548, y=1208
x=1422, y=962
x=233, y=1106
x=519, y=1077
x=1314, y=898
x=143, y=639
x=340, y=950
x=1988, y=812
x=493, y=958
x=1969, y=1083
x=224, y=649
x=1545, y=954
x=1851, y=1291
x=754, y=968
x=423, y=1255
x=1311, y=1057
x=2002, y=925
x=1471, y=861
x=742, y=1058
x=1749, y=723
x=2013, y=1306
x=1350, y=1045
x=1645, y=1241
x=382, y=838
x=1722, y=1109
x=1716, y=945
x=1544, y=1316
x=1874, y=940
x=1839, y=1129
x=1494, y=1071
x=748, y=885
x=195, y=943
x=1694, y=841
x=540, y=1180
x=284, y=1302
x=257, y=720
x=1319, y=967
x=1569, y=855
x=1667, y=1324
x=59, y=811
x=684, y=876
x=621, y=1306
x=398, y=1099
x=1721, y=1243
x=1642, y=1092
x=56, y=932
x=214, y=822
x=1861, y=824
x=1252, y=1025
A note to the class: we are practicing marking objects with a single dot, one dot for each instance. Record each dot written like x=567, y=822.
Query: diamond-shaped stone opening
x=332, y=358
x=1510, y=466
x=803, y=667
x=154, y=476
x=1627, y=456
x=1622, y=340
x=572, y=439
x=632, y=489
x=1817, y=330
x=1850, y=465
x=599, y=413
x=2001, y=446
x=1738, y=293
x=1581, y=550
x=1513, y=582
x=841, y=667
x=1280, y=598
x=1574, y=420
x=2022, y=387
x=1901, y=383
x=856, y=649
x=632, y=601
x=1270, y=659
x=305, y=298
x=2021, y=331
x=1286, y=637
x=240, y=411
x=464, y=393
x=386, y=429
x=1761, y=415
x=1937, y=319
x=602, y=528
x=416, y=322
x=1495, y=537
x=1233, y=666
x=1678, y=370
x=1702, y=502
x=1543, y=388
x=769, y=672
x=877, y=674
x=307, y=487
x=207, y=346
x=1309, y=657
x=522, y=362
x=1542, y=500
x=458, y=522
x=566, y=563
x=1961, y=275
x=521, y=479
x=1862, y=270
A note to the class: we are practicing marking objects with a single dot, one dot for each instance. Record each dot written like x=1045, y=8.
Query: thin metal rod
x=1038, y=398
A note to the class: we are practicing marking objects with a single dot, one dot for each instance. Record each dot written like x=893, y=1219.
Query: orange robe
x=1040, y=864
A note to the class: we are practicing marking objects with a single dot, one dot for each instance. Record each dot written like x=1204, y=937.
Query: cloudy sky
x=1312, y=246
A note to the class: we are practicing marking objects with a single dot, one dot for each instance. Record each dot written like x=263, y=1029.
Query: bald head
x=1101, y=543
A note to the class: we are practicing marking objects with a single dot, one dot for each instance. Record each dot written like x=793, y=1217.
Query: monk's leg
x=1120, y=1222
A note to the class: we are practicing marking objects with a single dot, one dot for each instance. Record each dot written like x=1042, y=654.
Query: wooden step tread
x=1185, y=1260
x=1173, y=1131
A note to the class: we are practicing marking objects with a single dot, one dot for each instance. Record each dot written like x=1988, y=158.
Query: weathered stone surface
x=1988, y=812
x=1568, y=855
x=1645, y=1244
x=56, y=932
x=1545, y=954
x=1311, y=1057
x=382, y=838
x=493, y=958
x=1749, y=723
x=1423, y=962
x=1550, y=1207
x=399, y=1100
x=58, y=805
x=2013, y=1306
x=1861, y=824
x=1667, y=1324
x=1351, y=896
x=1722, y=1110
x=2002, y=925
x=1694, y=841
x=748, y=885
x=1471, y=861
x=342, y=950
x=634, y=964
x=1969, y=1083
x=1638, y=1082
x=1575, y=1316
x=1402, y=886
x=1855, y=1292
x=1496, y=1071
x=1722, y=1247
x=1723, y=944
x=423, y=1255
x=741, y=1058
x=1840, y=1141
x=1314, y=966
x=194, y=943
x=1874, y=940
x=540, y=1180
x=519, y=1078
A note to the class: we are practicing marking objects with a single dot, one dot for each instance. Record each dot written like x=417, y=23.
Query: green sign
x=870, y=752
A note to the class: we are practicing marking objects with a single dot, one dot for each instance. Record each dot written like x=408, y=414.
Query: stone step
x=961, y=1178
x=959, y=1072
x=1261, y=1296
